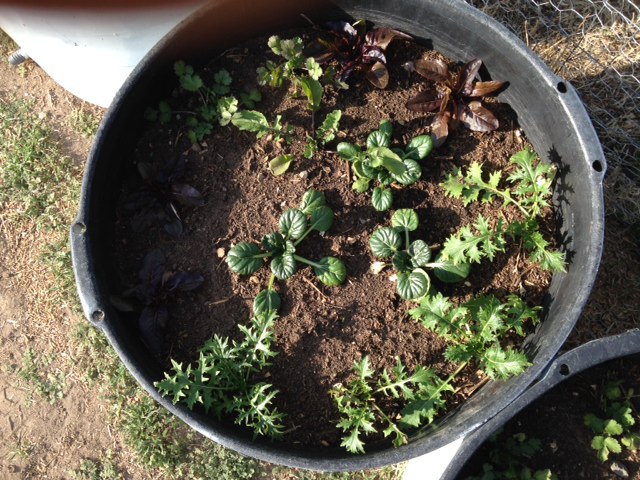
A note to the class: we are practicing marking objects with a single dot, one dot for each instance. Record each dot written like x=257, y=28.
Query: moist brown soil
x=567, y=451
x=321, y=331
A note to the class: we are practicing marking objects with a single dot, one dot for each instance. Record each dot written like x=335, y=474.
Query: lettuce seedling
x=456, y=98
x=156, y=289
x=410, y=262
x=161, y=193
x=294, y=225
x=356, y=51
x=384, y=165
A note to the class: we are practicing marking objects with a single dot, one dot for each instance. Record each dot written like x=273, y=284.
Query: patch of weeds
x=507, y=460
x=105, y=468
x=56, y=256
x=33, y=172
x=34, y=371
x=616, y=430
x=84, y=123
x=22, y=449
x=393, y=472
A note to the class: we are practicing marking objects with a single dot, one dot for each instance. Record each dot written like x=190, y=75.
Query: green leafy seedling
x=294, y=225
x=410, y=259
x=422, y=394
x=324, y=134
x=383, y=165
x=529, y=190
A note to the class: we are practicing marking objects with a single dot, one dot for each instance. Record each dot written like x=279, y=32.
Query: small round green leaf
x=411, y=175
x=293, y=223
x=449, y=273
x=266, y=301
x=378, y=139
x=284, y=266
x=413, y=285
x=361, y=185
x=322, y=218
x=385, y=242
x=348, y=151
x=405, y=219
x=242, y=258
x=419, y=147
x=331, y=271
x=311, y=200
x=420, y=253
x=382, y=199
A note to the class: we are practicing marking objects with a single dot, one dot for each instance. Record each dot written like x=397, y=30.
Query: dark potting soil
x=567, y=451
x=321, y=331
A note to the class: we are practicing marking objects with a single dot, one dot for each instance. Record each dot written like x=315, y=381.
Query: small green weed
x=46, y=384
x=84, y=123
x=33, y=172
x=103, y=469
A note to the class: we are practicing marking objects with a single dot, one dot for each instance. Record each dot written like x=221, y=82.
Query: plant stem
x=308, y=262
x=271, y=281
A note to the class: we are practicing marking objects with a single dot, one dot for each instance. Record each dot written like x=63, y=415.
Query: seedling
x=615, y=430
x=156, y=289
x=161, y=193
x=359, y=402
x=324, y=134
x=384, y=165
x=530, y=192
x=507, y=460
x=454, y=97
x=411, y=261
x=294, y=225
x=357, y=51
x=222, y=380
x=475, y=328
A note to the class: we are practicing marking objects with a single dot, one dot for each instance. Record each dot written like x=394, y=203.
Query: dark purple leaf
x=378, y=75
x=477, y=118
x=152, y=269
x=372, y=54
x=480, y=89
x=467, y=76
x=426, y=101
x=184, y=281
x=440, y=128
x=152, y=324
x=435, y=70
x=173, y=228
x=187, y=195
x=382, y=37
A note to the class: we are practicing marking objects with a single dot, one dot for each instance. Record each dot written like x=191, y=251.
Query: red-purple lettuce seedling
x=456, y=98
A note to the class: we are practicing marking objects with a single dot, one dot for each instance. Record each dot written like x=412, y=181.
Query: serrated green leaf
x=612, y=445
x=405, y=219
x=322, y=218
x=283, y=266
x=243, y=258
x=266, y=301
x=329, y=128
x=385, y=242
x=420, y=253
x=293, y=223
x=311, y=200
x=612, y=427
x=499, y=363
x=413, y=285
x=352, y=442
x=330, y=271
x=280, y=164
x=381, y=199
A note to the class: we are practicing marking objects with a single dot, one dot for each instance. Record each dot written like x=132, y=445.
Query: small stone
x=255, y=280
x=619, y=470
x=220, y=252
x=324, y=443
x=303, y=174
